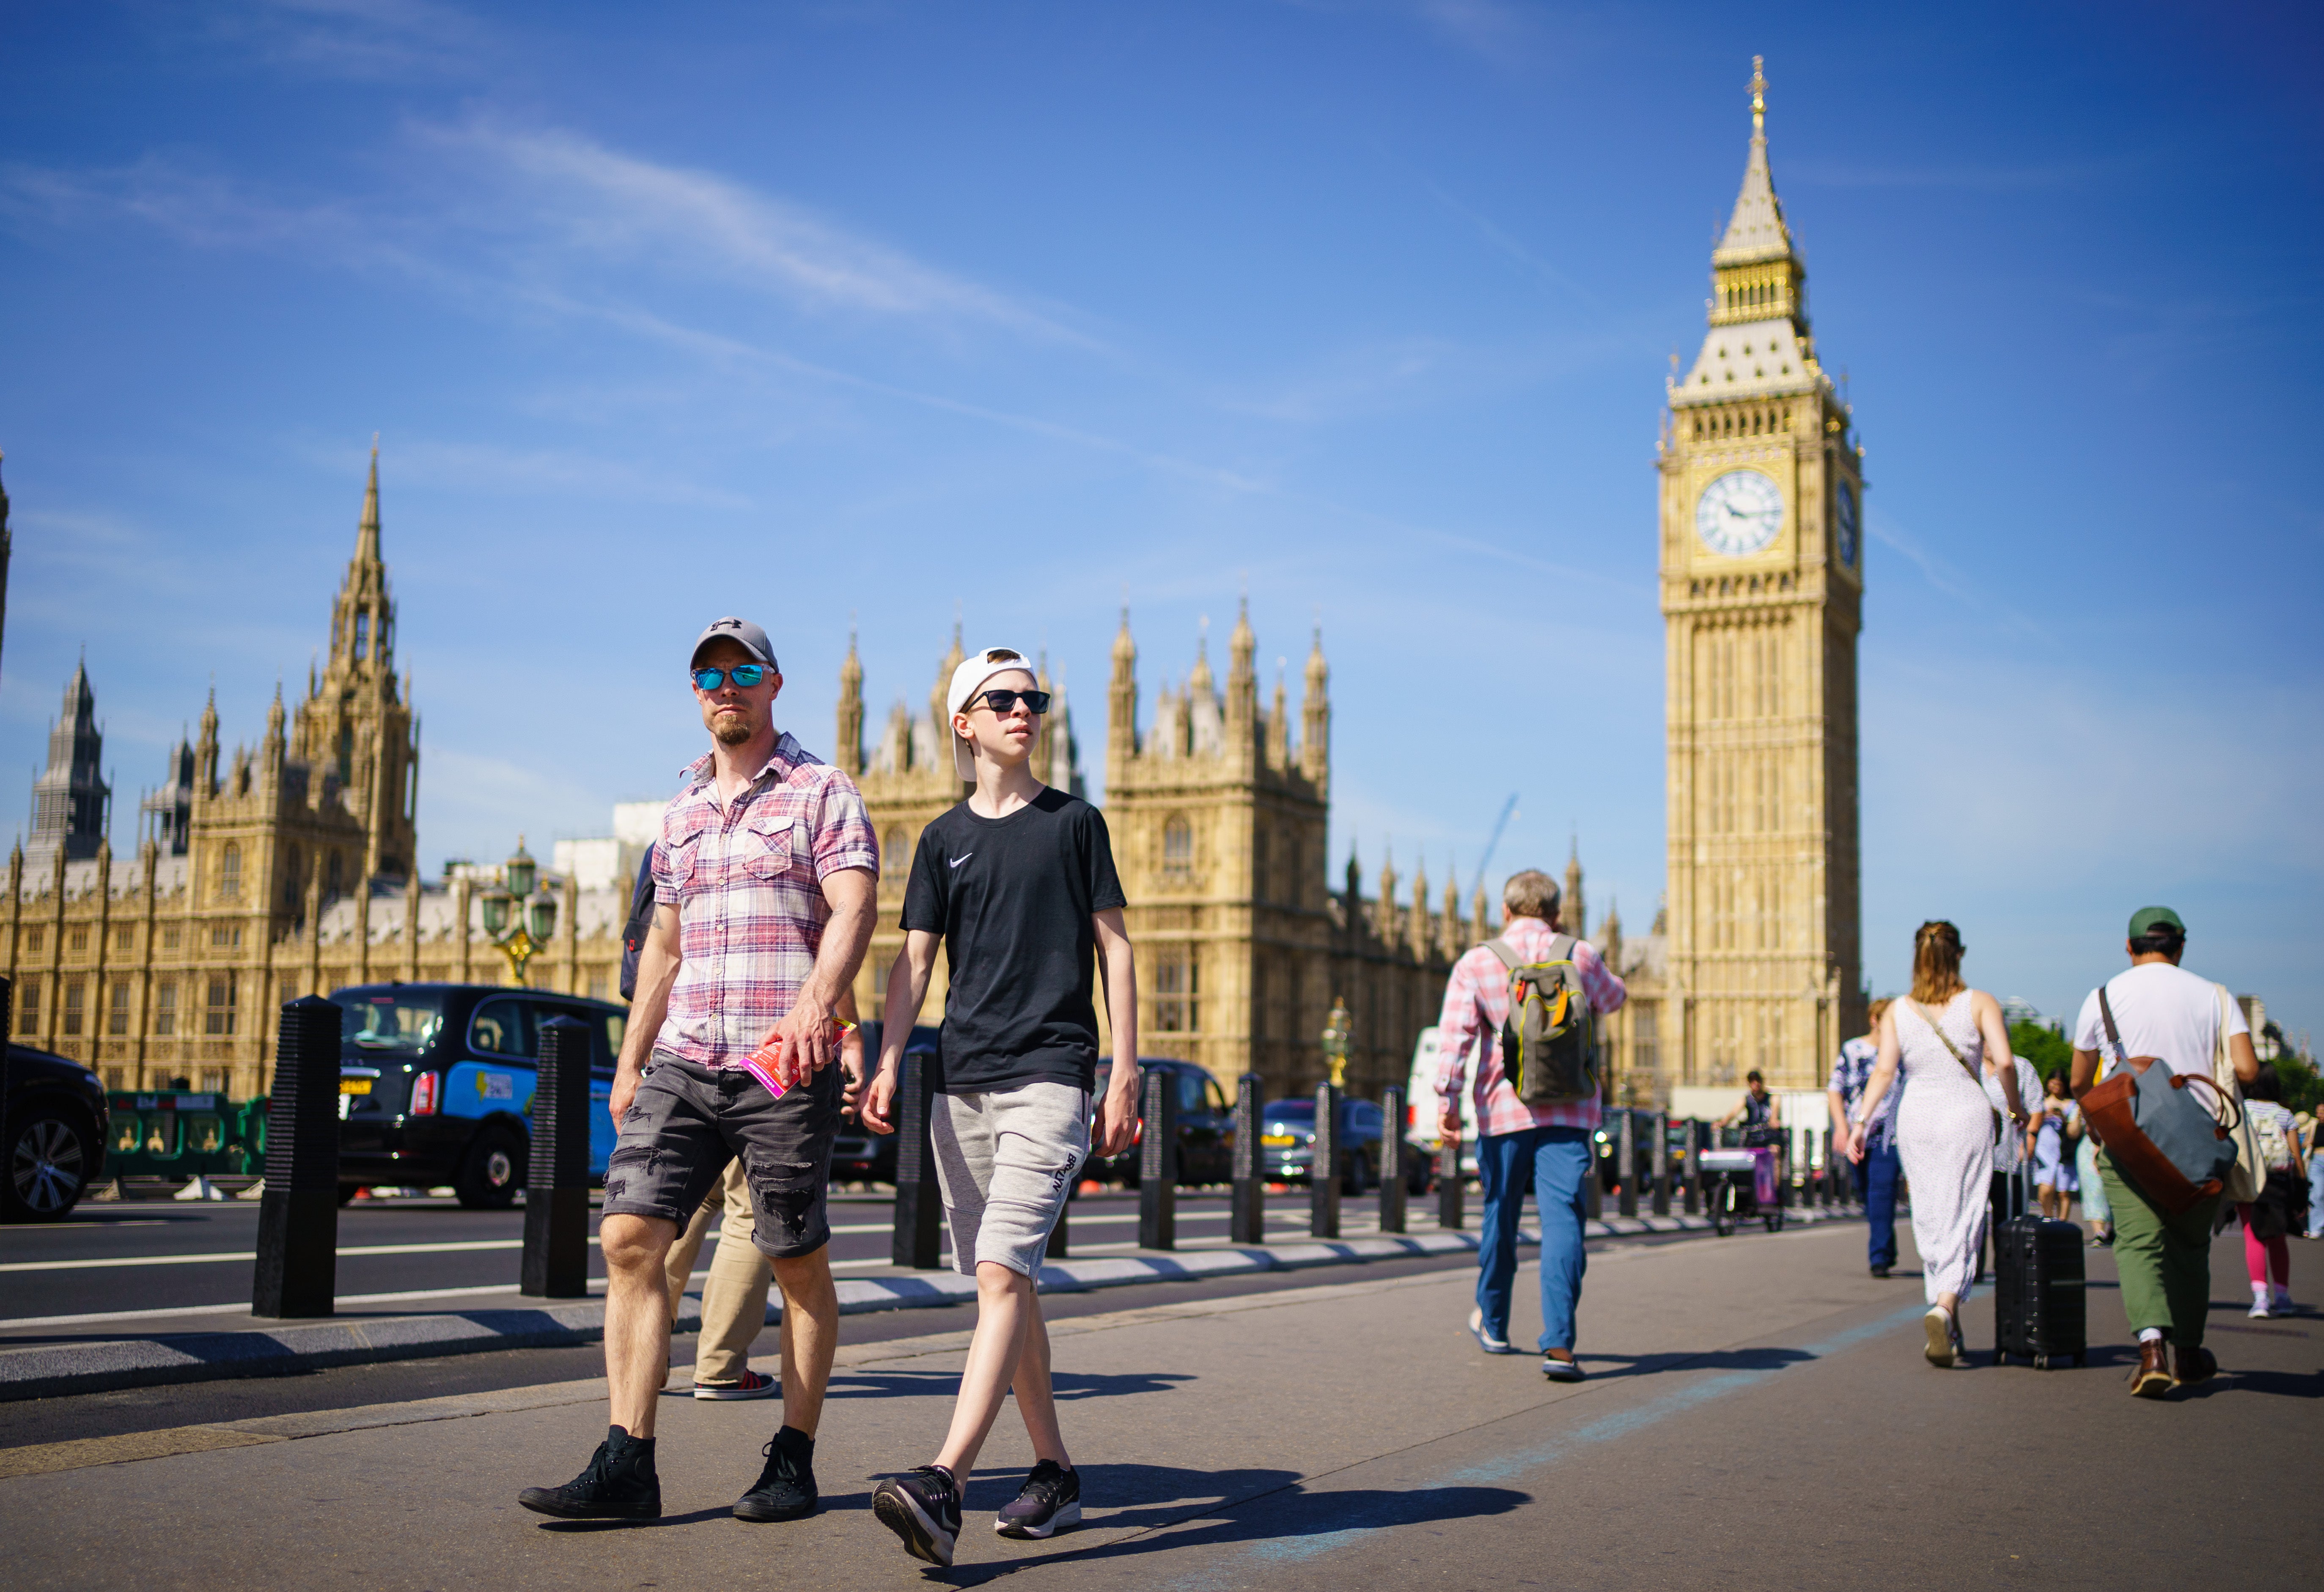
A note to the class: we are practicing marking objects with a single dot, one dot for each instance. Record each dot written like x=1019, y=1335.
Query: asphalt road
x=1757, y=1414
x=166, y=1255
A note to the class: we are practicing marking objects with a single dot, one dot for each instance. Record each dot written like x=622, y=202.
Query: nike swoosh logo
x=956, y=861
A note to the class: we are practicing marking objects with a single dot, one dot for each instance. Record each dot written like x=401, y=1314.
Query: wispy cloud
x=1495, y=30
x=369, y=40
x=1944, y=577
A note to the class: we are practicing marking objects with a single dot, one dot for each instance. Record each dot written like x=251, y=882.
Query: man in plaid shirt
x=764, y=876
x=1556, y=1142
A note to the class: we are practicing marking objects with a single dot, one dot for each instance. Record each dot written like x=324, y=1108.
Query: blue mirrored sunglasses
x=746, y=675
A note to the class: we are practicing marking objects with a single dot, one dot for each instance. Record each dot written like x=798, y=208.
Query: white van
x=1421, y=1106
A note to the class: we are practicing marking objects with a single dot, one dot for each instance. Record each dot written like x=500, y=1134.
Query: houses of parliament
x=290, y=867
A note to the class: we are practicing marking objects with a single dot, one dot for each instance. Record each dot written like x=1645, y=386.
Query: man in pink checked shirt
x=1556, y=1143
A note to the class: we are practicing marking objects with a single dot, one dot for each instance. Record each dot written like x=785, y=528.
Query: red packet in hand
x=761, y=1063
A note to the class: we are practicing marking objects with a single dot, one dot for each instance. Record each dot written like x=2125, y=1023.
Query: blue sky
x=885, y=310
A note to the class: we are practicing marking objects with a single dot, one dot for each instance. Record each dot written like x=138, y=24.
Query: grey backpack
x=1549, y=1043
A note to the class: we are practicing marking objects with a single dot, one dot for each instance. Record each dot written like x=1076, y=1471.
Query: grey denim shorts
x=687, y=1120
x=1006, y=1160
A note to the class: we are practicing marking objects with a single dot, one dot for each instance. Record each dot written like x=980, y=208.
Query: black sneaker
x=923, y=1507
x=785, y=1489
x=1050, y=1500
x=620, y=1483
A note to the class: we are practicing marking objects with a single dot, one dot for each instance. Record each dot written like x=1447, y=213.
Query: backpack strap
x=1560, y=948
x=1507, y=953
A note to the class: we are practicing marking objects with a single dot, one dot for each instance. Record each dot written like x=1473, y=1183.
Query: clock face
x=1741, y=512
x=1847, y=526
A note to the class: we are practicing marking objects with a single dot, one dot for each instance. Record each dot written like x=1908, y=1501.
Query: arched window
x=335, y=875
x=362, y=634
x=230, y=873
x=1178, y=845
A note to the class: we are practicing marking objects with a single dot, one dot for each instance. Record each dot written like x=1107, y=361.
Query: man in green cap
x=2164, y=1261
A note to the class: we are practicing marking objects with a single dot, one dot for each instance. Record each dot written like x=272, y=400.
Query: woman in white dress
x=1932, y=1046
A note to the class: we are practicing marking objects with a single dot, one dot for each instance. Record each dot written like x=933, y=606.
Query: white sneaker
x=1486, y=1340
x=1939, y=1327
x=2259, y=1310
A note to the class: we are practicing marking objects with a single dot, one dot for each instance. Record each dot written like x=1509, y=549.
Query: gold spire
x=1758, y=96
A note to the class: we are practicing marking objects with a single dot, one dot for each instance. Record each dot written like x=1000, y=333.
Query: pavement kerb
x=54, y=1370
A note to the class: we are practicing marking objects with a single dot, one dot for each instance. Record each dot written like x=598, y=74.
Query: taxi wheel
x=492, y=1172
x=50, y=1155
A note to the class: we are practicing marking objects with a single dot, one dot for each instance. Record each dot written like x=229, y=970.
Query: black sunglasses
x=746, y=675
x=1001, y=700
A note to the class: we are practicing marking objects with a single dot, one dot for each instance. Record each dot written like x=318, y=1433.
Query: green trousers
x=2164, y=1261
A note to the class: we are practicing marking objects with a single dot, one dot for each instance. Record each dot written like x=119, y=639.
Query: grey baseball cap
x=748, y=637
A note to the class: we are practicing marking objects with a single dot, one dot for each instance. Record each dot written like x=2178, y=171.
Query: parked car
x=1287, y=1145
x=436, y=1083
x=859, y=1154
x=57, y=1125
x=1205, y=1126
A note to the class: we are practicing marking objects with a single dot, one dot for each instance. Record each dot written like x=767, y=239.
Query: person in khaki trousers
x=734, y=1294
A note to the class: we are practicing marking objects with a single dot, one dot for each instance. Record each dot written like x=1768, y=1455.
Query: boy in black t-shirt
x=1018, y=883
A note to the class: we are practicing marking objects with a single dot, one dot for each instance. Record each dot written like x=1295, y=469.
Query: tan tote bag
x=2249, y=1175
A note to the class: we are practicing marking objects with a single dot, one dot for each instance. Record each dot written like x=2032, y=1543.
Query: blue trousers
x=1879, y=1171
x=1553, y=1161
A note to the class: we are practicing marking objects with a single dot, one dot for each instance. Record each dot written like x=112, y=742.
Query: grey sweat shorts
x=687, y=1120
x=1006, y=1159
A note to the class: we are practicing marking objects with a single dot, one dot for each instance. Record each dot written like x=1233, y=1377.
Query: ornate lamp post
x=519, y=918
x=1335, y=1041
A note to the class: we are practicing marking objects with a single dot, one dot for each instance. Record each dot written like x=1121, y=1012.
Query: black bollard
x=1324, y=1166
x=1662, y=1168
x=298, y=1213
x=1593, y=1185
x=556, y=1184
x=1158, y=1164
x=1693, y=1167
x=1247, y=1221
x=920, y=1202
x=1449, y=1215
x=1391, y=1159
x=1626, y=1162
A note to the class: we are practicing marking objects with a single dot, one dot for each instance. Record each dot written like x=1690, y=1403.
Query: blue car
x=436, y=1084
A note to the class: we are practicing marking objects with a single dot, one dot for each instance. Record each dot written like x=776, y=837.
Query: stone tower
x=1762, y=596
x=71, y=803
x=355, y=731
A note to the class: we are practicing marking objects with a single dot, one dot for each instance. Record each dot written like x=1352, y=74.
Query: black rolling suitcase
x=2038, y=1308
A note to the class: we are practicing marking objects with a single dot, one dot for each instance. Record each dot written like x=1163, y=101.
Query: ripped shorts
x=687, y=1120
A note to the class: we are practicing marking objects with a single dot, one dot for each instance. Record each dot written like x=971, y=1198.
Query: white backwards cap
x=974, y=670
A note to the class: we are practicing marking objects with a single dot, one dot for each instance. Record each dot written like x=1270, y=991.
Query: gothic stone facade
x=1762, y=596
x=267, y=874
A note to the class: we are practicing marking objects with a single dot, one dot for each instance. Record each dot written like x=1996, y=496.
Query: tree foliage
x=2043, y=1047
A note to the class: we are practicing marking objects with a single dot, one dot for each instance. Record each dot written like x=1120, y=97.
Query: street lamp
x=1335, y=1041
x=534, y=912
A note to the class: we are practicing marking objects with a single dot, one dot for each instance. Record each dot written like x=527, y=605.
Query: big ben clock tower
x=1763, y=591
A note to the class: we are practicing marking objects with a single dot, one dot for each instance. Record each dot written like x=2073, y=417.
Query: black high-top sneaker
x=923, y=1507
x=785, y=1489
x=620, y=1483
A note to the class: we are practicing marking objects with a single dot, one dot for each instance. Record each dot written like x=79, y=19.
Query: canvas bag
x=2248, y=1176
x=1549, y=1041
x=2155, y=1130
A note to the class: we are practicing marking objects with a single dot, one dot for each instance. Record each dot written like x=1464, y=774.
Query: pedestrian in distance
x=2158, y=1012
x=2282, y=1205
x=1755, y=1111
x=1932, y=1046
x=1018, y=885
x=1850, y=1076
x=2056, y=1125
x=2096, y=1213
x=2308, y=1148
x=764, y=879
x=1543, y=1122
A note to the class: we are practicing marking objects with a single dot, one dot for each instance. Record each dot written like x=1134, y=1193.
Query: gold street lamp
x=519, y=918
x=1335, y=1041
